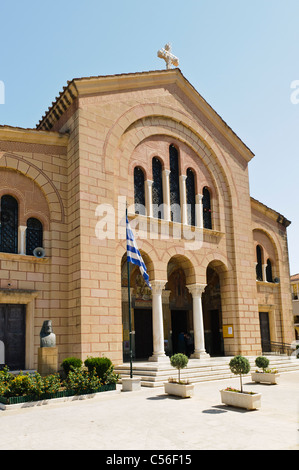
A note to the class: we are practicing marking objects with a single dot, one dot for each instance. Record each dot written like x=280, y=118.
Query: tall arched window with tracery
x=174, y=184
x=139, y=192
x=9, y=224
x=269, y=275
x=157, y=188
x=206, y=207
x=190, y=196
x=34, y=235
x=259, y=263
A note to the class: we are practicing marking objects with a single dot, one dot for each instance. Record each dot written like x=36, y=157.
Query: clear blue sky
x=241, y=56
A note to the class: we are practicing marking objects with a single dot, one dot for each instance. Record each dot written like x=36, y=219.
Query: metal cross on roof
x=169, y=58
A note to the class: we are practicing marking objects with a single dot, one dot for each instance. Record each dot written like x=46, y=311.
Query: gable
x=171, y=81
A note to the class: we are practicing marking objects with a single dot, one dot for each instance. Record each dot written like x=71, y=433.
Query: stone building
x=295, y=301
x=217, y=258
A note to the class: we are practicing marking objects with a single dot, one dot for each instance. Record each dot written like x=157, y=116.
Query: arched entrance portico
x=178, y=315
x=141, y=313
x=170, y=317
x=212, y=310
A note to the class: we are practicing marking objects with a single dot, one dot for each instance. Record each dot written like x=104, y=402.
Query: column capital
x=158, y=286
x=196, y=289
x=166, y=172
x=149, y=182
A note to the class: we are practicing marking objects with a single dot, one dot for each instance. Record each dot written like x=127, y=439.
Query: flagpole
x=130, y=319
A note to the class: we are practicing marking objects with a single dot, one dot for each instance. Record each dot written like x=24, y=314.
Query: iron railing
x=272, y=347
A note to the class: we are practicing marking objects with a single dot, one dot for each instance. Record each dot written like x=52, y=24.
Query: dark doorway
x=179, y=325
x=265, y=331
x=143, y=333
x=12, y=333
x=216, y=336
x=212, y=313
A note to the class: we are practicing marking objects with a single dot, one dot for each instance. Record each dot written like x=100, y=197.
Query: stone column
x=264, y=272
x=149, y=198
x=199, y=340
x=158, y=330
x=22, y=240
x=198, y=211
x=166, y=194
x=183, y=199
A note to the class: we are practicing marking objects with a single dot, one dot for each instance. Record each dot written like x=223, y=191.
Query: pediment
x=101, y=85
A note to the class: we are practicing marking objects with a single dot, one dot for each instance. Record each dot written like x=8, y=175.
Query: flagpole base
x=131, y=384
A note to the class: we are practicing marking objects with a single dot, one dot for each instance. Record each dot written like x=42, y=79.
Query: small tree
x=262, y=362
x=179, y=361
x=239, y=365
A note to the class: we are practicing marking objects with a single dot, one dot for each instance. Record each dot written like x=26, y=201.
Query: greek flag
x=133, y=254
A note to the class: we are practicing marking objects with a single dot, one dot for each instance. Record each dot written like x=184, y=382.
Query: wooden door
x=12, y=333
x=143, y=333
x=265, y=331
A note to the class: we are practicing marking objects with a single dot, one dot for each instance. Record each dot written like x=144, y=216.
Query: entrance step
x=198, y=370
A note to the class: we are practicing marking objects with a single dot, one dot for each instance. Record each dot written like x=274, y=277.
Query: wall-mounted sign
x=228, y=331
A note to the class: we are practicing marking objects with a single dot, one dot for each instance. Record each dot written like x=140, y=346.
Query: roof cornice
x=32, y=136
x=271, y=213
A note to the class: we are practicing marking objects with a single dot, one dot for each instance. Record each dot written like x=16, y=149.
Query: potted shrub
x=179, y=387
x=239, y=365
x=266, y=375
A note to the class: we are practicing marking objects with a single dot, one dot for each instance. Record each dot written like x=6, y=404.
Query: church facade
x=217, y=259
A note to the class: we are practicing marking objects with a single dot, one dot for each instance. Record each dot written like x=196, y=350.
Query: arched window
x=34, y=235
x=259, y=263
x=9, y=225
x=157, y=187
x=190, y=195
x=174, y=184
x=206, y=206
x=139, y=195
x=269, y=276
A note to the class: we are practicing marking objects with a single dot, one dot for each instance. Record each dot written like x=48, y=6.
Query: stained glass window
x=259, y=267
x=139, y=194
x=190, y=194
x=269, y=276
x=174, y=184
x=34, y=235
x=9, y=225
x=206, y=206
x=157, y=188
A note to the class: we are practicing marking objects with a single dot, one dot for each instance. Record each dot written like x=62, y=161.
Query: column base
x=200, y=355
x=164, y=359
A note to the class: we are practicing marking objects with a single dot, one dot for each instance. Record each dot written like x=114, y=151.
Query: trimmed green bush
x=262, y=362
x=179, y=361
x=71, y=362
x=239, y=365
x=101, y=365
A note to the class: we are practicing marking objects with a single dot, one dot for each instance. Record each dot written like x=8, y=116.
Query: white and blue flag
x=133, y=254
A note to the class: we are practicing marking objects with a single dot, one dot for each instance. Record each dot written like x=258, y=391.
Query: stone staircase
x=154, y=374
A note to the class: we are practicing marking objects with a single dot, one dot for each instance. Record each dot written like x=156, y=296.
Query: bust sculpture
x=47, y=337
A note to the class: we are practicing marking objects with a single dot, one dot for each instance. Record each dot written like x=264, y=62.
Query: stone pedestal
x=47, y=361
x=131, y=384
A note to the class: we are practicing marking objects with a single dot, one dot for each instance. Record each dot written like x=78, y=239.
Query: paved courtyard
x=150, y=420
